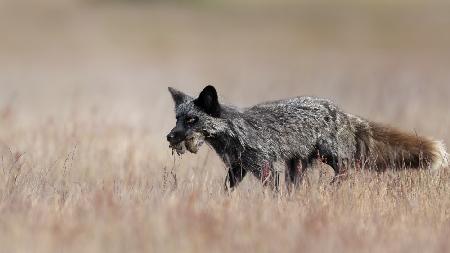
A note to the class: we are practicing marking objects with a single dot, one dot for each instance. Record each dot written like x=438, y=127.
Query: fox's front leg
x=269, y=176
x=235, y=175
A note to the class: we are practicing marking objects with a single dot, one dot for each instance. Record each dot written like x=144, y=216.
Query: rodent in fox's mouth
x=191, y=144
x=180, y=148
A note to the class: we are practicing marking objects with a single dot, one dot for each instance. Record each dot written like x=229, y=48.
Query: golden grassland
x=84, y=111
x=97, y=189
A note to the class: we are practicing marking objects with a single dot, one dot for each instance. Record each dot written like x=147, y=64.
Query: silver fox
x=294, y=131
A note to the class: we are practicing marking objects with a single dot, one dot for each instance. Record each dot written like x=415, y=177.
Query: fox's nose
x=171, y=137
x=176, y=135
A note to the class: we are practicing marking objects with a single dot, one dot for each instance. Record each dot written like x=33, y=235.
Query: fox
x=296, y=132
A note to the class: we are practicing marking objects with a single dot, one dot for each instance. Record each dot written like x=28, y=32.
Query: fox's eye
x=191, y=120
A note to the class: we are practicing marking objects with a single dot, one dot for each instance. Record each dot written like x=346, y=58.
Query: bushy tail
x=387, y=147
x=440, y=156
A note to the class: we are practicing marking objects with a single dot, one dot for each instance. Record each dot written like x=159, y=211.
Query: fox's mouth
x=191, y=143
x=180, y=148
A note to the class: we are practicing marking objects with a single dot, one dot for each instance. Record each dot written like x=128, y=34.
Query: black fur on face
x=186, y=134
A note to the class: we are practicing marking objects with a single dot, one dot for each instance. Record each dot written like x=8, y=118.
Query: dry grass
x=84, y=110
x=71, y=192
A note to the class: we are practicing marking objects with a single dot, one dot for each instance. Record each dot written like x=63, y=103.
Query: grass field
x=84, y=111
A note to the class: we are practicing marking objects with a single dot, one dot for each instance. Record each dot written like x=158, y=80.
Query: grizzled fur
x=294, y=131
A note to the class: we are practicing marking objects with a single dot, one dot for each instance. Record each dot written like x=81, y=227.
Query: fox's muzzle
x=176, y=136
x=181, y=140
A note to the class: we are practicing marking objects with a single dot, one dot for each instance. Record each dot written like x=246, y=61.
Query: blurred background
x=84, y=111
x=108, y=63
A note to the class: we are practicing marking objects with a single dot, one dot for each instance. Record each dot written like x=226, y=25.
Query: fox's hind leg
x=294, y=173
x=339, y=166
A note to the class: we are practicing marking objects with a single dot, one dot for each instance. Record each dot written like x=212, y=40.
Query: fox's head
x=197, y=119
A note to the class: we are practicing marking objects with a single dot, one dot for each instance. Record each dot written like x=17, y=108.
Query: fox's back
x=298, y=123
x=294, y=109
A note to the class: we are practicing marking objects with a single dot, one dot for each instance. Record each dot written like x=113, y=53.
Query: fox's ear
x=178, y=96
x=208, y=101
